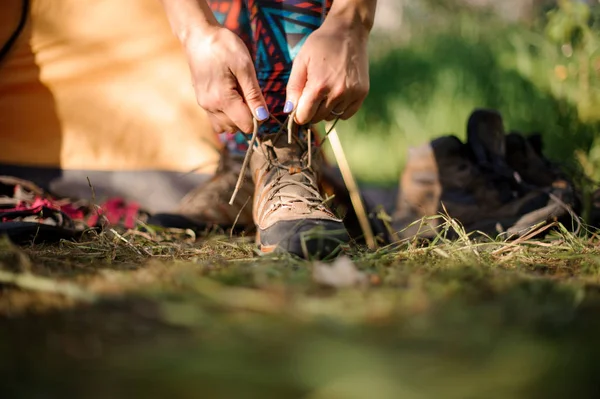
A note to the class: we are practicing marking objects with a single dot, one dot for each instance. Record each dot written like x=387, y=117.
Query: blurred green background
x=434, y=61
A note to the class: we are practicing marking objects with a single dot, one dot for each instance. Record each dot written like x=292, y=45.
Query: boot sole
x=305, y=239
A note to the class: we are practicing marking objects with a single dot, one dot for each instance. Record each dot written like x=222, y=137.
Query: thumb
x=295, y=86
x=251, y=92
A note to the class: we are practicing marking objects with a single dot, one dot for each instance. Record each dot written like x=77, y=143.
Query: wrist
x=189, y=18
x=358, y=15
x=195, y=31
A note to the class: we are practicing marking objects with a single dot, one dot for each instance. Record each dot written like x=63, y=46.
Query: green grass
x=159, y=316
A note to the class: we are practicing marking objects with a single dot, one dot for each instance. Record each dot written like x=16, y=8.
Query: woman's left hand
x=330, y=74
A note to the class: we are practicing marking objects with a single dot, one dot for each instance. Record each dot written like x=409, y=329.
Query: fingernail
x=288, y=107
x=262, y=113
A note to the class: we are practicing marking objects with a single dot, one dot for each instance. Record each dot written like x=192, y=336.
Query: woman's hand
x=224, y=79
x=330, y=75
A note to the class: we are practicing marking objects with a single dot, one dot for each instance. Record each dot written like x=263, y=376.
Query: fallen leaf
x=341, y=273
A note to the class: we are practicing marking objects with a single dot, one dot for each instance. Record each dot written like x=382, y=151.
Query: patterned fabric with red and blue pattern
x=274, y=31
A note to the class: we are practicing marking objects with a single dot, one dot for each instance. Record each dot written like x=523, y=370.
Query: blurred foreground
x=101, y=319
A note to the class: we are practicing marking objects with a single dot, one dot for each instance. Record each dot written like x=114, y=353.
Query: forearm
x=188, y=16
x=355, y=12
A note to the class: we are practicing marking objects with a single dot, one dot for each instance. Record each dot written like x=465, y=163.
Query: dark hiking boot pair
x=494, y=183
x=288, y=210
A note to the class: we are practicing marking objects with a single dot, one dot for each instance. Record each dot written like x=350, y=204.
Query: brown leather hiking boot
x=289, y=212
x=208, y=204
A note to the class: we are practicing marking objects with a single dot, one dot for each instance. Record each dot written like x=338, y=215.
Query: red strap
x=116, y=210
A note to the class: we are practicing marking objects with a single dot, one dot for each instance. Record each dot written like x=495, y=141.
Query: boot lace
x=290, y=176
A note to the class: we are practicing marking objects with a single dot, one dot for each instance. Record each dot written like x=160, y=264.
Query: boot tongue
x=294, y=184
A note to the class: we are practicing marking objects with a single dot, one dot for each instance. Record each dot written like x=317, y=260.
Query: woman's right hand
x=224, y=79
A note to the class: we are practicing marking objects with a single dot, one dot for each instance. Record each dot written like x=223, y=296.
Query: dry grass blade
x=137, y=251
x=535, y=231
x=357, y=203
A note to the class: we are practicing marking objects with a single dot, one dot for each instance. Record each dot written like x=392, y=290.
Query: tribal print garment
x=274, y=31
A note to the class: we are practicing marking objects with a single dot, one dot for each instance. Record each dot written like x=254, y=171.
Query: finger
x=351, y=110
x=323, y=109
x=216, y=126
x=336, y=110
x=308, y=104
x=237, y=113
x=220, y=123
x=330, y=110
x=336, y=102
x=296, y=84
x=246, y=78
x=214, y=102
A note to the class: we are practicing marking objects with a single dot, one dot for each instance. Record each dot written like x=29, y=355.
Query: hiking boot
x=419, y=195
x=208, y=204
x=475, y=184
x=289, y=211
x=595, y=211
x=441, y=177
x=525, y=157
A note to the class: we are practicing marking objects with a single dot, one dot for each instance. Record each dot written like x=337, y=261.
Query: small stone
x=339, y=274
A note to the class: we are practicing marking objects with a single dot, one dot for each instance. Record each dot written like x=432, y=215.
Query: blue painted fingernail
x=262, y=113
x=288, y=107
